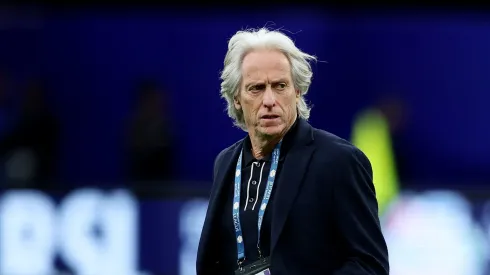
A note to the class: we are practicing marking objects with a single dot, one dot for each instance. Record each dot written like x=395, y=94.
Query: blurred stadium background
x=110, y=122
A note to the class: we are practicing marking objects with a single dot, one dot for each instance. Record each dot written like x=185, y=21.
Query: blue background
x=438, y=63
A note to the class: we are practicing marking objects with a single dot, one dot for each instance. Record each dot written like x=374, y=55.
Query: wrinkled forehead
x=265, y=63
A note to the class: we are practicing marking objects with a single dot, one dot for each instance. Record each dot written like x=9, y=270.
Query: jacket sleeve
x=203, y=254
x=356, y=215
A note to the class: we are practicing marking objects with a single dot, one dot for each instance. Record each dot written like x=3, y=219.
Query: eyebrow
x=280, y=80
x=253, y=84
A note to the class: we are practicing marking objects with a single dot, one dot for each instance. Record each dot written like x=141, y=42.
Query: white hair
x=246, y=41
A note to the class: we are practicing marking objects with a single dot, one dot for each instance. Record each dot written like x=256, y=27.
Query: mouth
x=269, y=117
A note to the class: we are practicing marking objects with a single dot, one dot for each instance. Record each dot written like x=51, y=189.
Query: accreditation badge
x=260, y=267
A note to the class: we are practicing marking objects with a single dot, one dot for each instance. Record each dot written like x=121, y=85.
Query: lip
x=269, y=117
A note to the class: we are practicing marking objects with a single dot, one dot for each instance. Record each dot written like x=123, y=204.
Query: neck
x=262, y=147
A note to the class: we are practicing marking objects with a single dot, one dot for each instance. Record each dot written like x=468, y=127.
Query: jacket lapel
x=292, y=174
x=226, y=164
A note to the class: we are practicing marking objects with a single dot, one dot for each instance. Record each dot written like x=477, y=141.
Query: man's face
x=267, y=96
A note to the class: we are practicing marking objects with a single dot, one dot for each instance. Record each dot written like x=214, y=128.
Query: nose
x=269, y=99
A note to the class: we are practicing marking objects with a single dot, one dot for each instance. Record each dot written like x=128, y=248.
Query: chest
x=255, y=183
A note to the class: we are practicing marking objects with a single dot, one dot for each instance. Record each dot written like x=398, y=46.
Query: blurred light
x=434, y=233
x=486, y=218
x=93, y=232
x=192, y=218
x=27, y=233
x=102, y=239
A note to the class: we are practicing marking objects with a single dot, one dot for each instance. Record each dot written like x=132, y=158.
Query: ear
x=298, y=95
x=237, y=104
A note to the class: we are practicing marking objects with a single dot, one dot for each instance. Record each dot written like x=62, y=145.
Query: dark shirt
x=254, y=178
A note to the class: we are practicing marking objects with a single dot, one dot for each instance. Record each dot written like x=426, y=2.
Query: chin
x=271, y=131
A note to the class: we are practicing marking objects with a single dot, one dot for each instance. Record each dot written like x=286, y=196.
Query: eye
x=281, y=86
x=256, y=88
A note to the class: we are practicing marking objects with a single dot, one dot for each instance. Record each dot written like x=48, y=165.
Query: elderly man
x=288, y=198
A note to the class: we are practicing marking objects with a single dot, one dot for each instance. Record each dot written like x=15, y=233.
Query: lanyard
x=263, y=205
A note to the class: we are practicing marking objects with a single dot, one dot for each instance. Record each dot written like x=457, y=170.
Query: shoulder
x=335, y=149
x=228, y=150
x=221, y=156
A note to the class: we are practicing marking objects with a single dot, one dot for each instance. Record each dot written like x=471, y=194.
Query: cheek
x=289, y=106
x=253, y=108
x=250, y=109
